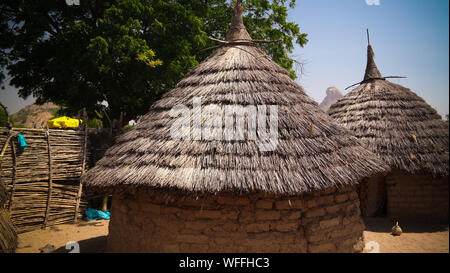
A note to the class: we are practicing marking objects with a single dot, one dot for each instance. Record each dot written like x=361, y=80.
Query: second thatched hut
x=410, y=136
x=199, y=193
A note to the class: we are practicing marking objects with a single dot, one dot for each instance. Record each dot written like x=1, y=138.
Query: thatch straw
x=240, y=73
x=8, y=235
x=395, y=123
x=3, y=194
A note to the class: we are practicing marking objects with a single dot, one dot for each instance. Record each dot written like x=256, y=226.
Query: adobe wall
x=146, y=221
x=417, y=197
x=372, y=196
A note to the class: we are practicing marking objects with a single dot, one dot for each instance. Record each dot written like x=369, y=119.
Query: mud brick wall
x=417, y=197
x=327, y=221
x=372, y=196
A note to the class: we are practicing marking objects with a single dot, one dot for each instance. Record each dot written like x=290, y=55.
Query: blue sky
x=410, y=38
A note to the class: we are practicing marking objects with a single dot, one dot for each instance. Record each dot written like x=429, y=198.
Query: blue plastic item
x=22, y=142
x=93, y=214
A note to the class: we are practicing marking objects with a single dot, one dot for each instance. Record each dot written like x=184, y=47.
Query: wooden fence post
x=83, y=166
x=14, y=173
x=50, y=178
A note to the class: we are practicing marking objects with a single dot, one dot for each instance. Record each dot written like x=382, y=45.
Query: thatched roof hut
x=218, y=184
x=404, y=131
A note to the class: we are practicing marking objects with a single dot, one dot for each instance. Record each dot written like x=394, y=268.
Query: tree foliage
x=125, y=52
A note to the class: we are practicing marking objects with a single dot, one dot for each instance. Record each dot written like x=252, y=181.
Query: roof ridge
x=237, y=28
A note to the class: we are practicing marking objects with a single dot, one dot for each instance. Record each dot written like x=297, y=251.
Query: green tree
x=125, y=52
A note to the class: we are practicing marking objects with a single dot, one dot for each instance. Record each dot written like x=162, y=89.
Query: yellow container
x=63, y=122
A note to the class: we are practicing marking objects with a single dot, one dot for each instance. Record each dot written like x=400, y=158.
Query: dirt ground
x=91, y=237
x=416, y=237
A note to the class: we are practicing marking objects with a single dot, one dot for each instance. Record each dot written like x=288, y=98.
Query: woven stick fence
x=43, y=182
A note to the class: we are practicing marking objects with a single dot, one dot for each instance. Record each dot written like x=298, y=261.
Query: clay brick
x=352, y=208
x=297, y=203
x=294, y=215
x=300, y=247
x=199, y=225
x=209, y=214
x=258, y=227
x=340, y=233
x=233, y=215
x=193, y=239
x=267, y=215
x=264, y=204
x=321, y=248
x=222, y=241
x=312, y=203
x=246, y=217
x=351, y=219
x=189, y=202
x=243, y=201
x=341, y=198
x=326, y=200
x=172, y=248
x=284, y=227
x=315, y=213
x=353, y=195
x=121, y=207
x=134, y=205
x=274, y=237
x=283, y=204
x=194, y=248
x=232, y=227
x=232, y=201
x=330, y=222
x=317, y=237
x=170, y=210
x=335, y=208
x=358, y=227
x=258, y=245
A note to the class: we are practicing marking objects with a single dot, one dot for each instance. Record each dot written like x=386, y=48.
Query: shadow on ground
x=385, y=224
x=92, y=245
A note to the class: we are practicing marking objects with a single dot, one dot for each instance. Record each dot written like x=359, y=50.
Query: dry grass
x=8, y=235
x=238, y=73
x=396, y=124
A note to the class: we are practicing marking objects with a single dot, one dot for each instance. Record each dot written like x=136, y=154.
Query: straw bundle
x=8, y=235
x=395, y=123
x=43, y=180
x=313, y=152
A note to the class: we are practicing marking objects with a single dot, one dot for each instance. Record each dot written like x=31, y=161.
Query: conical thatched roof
x=395, y=123
x=312, y=153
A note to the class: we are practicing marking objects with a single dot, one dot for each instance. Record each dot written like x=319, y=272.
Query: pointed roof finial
x=237, y=29
x=371, y=68
x=372, y=72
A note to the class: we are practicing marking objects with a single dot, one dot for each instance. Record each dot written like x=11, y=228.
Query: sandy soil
x=91, y=236
x=416, y=238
